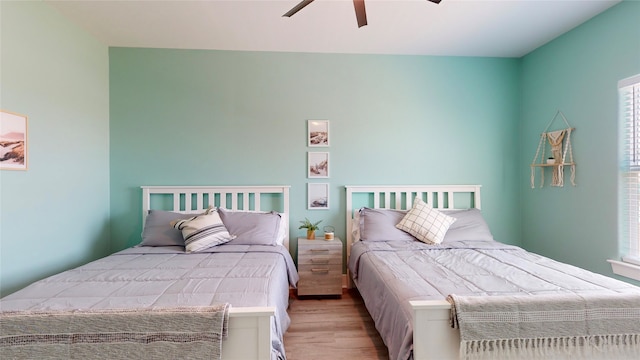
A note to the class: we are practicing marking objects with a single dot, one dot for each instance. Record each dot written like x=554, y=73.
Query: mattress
x=159, y=277
x=389, y=274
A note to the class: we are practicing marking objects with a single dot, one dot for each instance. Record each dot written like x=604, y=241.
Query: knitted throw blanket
x=564, y=326
x=170, y=333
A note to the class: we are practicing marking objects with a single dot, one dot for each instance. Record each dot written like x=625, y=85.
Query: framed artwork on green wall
x=13, y=141
x=317, y=196
x=318, y=165
x=317, y=133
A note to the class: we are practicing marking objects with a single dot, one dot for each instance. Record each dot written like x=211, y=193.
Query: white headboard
x=195, y=199
x=401, y=197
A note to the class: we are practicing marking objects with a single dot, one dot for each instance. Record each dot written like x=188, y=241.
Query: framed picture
x=317, y=133
x=317, y=196
x=318, y=165
x=13, y=141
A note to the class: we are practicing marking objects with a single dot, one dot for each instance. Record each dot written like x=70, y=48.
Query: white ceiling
x=497, y=28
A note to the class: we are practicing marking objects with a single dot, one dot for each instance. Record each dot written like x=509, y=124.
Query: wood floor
x=332, y=328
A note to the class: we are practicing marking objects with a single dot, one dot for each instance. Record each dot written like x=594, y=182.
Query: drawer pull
x=316, y=261
x=319, y=249
x=320, y=270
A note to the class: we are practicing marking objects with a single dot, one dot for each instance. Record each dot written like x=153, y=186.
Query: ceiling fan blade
x=435, y=1
x=361, y=14
x=298, y=7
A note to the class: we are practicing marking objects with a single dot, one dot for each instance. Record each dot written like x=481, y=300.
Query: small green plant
x=307, y=224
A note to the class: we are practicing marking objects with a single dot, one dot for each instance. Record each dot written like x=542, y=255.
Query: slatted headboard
x=195, y=199
x=401, y=197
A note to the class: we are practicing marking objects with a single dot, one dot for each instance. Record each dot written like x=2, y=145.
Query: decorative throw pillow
x=425, y=223
x=202, y=231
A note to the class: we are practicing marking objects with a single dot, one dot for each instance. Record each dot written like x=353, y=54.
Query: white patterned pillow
x=202, y=231
x=426, y=223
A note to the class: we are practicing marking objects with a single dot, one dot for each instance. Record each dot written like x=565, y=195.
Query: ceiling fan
x=361, y=14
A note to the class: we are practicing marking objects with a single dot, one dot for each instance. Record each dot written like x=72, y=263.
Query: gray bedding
x=389, y=274
x=153, y=277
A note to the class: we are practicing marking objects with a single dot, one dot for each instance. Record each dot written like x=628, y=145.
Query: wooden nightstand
x=319, y=267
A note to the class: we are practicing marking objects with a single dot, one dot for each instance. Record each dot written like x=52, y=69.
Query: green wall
x=577, y=73
x=54, y=215
x=222, y=117
x=104, y=121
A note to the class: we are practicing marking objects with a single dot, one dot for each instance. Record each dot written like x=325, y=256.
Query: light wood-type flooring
x=332, y=328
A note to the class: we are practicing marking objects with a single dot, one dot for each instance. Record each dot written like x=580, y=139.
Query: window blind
x=629, y=94
x=630, y=112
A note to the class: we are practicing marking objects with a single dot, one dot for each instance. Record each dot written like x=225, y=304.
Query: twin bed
x=505, y=302
x=155, y=300
x=229, y=301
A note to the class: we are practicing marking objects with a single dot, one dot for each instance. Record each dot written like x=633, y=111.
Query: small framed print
x=317, y=133
x=13, y=141
x=318, y=165
x=317, y=196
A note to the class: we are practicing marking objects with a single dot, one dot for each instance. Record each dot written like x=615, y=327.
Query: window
x=629, y=114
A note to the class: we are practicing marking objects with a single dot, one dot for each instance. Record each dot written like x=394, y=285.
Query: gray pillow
x=158, y=230
x=251, y=228
x=380, y=225
x=470, y=225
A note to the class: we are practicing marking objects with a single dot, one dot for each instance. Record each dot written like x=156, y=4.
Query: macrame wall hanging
x=558, y=143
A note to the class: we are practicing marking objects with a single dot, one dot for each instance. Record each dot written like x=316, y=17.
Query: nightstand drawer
x=320, y=281
x=320, y=259
x=333, y=251
x=319, y=268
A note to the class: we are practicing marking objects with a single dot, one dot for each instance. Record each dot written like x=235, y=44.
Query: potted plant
x=311, y=228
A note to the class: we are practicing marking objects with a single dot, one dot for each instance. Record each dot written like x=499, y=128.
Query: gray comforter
x=389, y=274
x=160, y=277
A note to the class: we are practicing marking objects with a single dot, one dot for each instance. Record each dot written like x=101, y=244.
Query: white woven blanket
x=171, y=333
x=570, y=326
